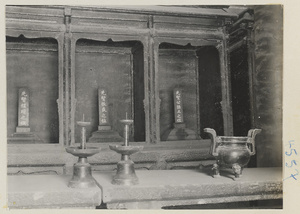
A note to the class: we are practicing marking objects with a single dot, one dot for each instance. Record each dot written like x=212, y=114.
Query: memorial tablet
x=103, y=108
x=104, y=132
x=23, y=133
x=23, y=111
x=179, y=132
x=178, y=106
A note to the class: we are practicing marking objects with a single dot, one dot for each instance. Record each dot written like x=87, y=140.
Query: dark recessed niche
x=117, y=67
x=240, y=91
x=210, y=90
x=196, y=71
x=33, y=63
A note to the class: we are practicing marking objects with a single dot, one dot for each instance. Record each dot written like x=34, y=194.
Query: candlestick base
x=82, y=172
x=82, y=175
x=125, y=174
x=125, y=168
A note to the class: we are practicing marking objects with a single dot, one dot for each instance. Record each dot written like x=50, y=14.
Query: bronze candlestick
x=82, y=172
x=125, y=168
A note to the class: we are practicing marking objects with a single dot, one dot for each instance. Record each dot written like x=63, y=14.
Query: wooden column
x=251, y=65
x=73, y=100
x=67, y=70
x=226, y=86
x=147, y=84
x=155, y=90
x=151, y=93
x=61, y=96
x=154, y=101
x=198, y=131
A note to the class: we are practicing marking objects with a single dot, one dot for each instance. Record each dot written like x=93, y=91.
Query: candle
x=126, y=130
x=83, y=117
x=126, y=115
x=83, y=138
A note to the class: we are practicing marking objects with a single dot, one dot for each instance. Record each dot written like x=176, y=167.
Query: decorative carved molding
x=104, y=50
x=15, y=46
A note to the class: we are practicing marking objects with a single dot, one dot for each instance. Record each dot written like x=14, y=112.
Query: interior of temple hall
x=144, y=107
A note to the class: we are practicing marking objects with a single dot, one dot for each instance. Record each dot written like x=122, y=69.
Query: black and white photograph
x=149, y=107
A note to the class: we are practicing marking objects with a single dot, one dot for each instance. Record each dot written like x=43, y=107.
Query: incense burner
x=232, y=152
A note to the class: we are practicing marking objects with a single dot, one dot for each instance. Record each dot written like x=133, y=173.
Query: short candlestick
x=125, y=168
x=82, y=172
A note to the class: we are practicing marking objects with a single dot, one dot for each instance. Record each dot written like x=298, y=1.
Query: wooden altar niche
x=196, y=71
x=33, y=63
x=147, y=44
x=116, y=67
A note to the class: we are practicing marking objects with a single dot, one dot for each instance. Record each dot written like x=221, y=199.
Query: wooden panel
x=192, y=10
x=102, y=18
x=30, y=9
x=109, y=23
x=81, y=13
x=36, y=69
x=48, y=15
x=188, y=21
x=178, y=27
x=111, y=72
x=177, y=69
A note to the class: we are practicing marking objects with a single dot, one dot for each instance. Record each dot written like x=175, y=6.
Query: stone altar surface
x=49, y=191
x=156, y=189
x=159, y=188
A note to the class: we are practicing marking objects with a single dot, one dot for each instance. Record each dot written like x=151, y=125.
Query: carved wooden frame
x=58, y=35
x=67, y=35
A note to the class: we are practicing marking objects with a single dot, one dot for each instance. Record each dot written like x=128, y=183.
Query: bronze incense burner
x=232, y=152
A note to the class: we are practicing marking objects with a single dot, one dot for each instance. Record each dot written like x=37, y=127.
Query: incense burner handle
x=251, y=135
x=213, y=135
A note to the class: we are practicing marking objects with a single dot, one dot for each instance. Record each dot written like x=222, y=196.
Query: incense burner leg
x=237, y=170
x=216, y=170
